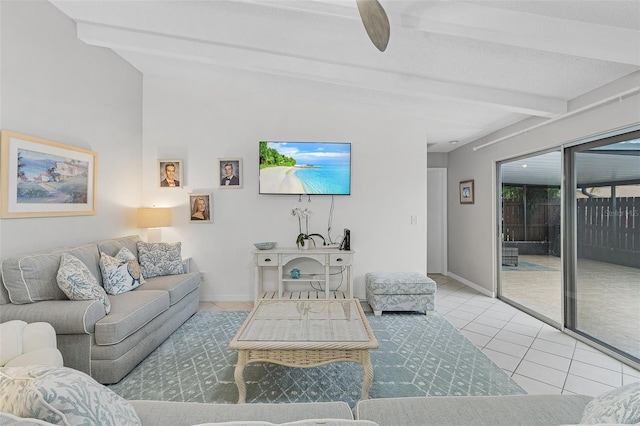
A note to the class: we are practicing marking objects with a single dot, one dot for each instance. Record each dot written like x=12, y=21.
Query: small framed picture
x=466, y=192
x=230, y=172
x=170, y=173
x=200, y=208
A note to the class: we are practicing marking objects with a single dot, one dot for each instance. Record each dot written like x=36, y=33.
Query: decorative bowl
x=265, y=246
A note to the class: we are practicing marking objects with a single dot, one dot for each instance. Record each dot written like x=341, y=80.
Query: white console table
x=279, y=258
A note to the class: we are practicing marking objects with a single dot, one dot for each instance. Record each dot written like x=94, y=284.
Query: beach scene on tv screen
x=305, y=168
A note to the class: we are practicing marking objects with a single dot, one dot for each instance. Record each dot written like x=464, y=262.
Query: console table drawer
x=339, y=259
x=267, y=259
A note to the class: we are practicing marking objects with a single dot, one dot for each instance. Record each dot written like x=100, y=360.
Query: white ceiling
x=467, y=68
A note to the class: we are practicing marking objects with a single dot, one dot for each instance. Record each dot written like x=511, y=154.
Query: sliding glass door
x=530, y=252
x=603, y=207
x=569, y=240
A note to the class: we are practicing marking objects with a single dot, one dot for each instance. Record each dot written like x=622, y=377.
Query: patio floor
x=608, y=296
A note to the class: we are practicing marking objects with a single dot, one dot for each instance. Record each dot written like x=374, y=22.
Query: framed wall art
x=170, y=173
x=42, y=178
x=230, y=170
x=200, y=208
x=466, y=192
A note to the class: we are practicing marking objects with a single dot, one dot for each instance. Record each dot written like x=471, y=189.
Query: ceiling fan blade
x=375, y=21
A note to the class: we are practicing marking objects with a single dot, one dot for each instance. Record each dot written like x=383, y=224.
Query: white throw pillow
x=120, y=273
x=61, y=395
x=78, y=283
x=621, y=405
x=157, y=259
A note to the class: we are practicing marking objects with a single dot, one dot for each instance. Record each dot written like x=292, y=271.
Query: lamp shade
x=154, y=217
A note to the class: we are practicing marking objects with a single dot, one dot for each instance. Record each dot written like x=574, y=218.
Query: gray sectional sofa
x=533, y=410
x=104, y=346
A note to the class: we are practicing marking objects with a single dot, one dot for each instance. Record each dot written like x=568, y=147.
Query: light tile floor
x=540, y=358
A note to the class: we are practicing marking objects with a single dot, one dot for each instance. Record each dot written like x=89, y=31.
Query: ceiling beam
x=527, y=30
x=495, y=25
x=277, y=63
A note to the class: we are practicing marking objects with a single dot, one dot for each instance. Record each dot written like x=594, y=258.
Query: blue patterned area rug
x=418, y=355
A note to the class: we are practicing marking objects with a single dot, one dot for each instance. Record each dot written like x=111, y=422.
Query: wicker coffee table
x=304, y=333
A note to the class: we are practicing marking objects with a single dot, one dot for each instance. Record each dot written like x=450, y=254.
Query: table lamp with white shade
x=154, y=218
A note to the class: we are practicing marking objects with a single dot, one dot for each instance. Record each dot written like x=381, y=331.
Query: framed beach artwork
x=42, y=178
x=230, y=170
x=200, y=208
x=170, y=173
x=466, y=192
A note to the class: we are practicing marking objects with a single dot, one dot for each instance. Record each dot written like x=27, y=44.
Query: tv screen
x=314, y=168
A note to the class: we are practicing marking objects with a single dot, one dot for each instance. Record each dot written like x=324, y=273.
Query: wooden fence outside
x=609, y=230
x=541, y=224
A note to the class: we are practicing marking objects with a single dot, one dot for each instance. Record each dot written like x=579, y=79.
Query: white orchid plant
x=303, y=236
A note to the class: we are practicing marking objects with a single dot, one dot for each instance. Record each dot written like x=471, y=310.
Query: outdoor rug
x=524, y=265
x=418, y=355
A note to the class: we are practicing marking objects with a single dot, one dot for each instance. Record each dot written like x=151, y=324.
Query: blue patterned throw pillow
x=78, y=283
x=157, y=259
x=120, y=273
x=62, y=396
x=621, y=405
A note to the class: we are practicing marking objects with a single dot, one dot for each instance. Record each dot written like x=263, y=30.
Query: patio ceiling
x=612, y=164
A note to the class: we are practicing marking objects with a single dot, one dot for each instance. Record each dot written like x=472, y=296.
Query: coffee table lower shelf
x=304, y=359
x=302, y=295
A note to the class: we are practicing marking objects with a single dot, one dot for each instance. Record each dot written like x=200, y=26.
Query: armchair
x=23, y=344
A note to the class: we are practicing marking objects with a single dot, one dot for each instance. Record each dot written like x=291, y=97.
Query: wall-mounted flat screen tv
x=313, y=168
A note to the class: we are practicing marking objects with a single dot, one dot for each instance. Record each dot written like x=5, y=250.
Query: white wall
x=471, y=250
x=226, y=115
x=57, y=88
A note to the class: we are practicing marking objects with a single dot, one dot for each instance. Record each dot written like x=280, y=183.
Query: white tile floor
x=540, y=358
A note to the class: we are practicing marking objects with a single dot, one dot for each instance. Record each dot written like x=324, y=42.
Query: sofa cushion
x=158, y=259
x=120, y=273
x=182, y=413
x=61, y=395
x=621, y=405
x=310, y=422
x=178, y=286
x=113, y=246
x=130, y=312
x=7, y=419
x=78, y=283
x=503, y=410
x=32, y=278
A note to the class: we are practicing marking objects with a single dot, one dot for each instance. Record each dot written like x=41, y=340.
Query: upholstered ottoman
x=400, y=291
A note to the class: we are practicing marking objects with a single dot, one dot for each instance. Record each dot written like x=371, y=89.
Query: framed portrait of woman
x=200, y=208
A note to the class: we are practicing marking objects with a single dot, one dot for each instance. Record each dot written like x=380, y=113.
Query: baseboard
x=474, y=286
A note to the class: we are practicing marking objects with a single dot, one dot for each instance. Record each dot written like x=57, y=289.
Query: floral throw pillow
x=120, y=273
x=62, y=396
x=621, y=406
x=78, y=283
x=157, y=259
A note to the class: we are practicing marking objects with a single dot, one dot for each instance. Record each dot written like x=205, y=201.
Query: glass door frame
x=570, y=245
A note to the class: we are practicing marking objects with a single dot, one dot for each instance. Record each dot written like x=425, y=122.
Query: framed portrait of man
x=230, y=170
x=170, y=173
x=200, y=205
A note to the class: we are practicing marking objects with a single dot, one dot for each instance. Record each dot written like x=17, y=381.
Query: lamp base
x=154, y=235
